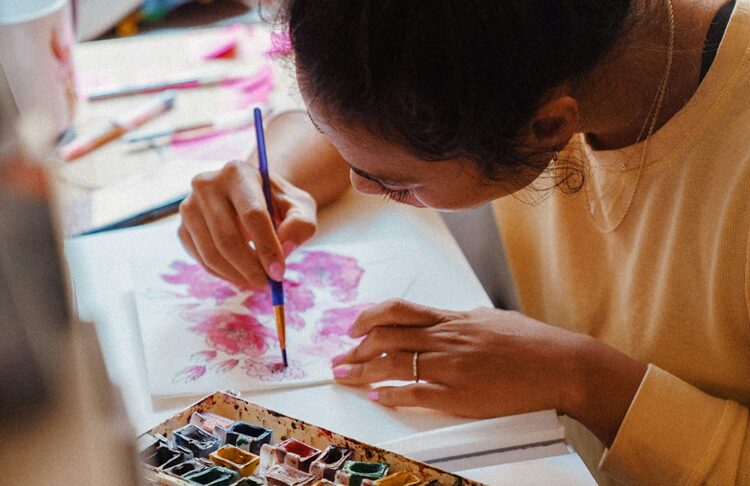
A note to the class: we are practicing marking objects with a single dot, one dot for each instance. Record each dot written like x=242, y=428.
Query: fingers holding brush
x=226, y=226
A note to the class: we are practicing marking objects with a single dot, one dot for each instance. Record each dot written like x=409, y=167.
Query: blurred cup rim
x=31, y=16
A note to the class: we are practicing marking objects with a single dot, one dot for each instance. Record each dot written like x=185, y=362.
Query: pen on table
x=119, y=127
x=165, y=209
x=231, y=121
x=190, y=81
x=277, y=288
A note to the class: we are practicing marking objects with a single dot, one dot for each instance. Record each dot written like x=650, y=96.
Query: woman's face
x=381, y=167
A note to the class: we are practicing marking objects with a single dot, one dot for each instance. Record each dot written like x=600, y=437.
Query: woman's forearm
x=604, y=383
x=310, y=161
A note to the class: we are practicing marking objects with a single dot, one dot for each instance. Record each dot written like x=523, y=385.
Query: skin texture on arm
x=306, y=157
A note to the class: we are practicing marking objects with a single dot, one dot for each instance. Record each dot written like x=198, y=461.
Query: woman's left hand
x=489, y=363
x=481, y=363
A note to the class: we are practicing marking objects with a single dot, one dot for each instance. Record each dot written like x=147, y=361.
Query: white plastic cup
x=36, y=38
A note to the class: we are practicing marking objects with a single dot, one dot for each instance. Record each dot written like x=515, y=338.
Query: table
x=100, y=268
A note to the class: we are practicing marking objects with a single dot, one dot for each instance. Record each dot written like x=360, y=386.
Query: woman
x=632, y=269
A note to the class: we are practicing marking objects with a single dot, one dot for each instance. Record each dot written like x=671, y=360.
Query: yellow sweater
x=670, y=287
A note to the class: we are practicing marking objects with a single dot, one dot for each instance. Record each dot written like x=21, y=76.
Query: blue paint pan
x=248, y=437
x=192, y=438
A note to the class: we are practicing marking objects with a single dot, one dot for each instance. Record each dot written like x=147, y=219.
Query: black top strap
x=714, y=35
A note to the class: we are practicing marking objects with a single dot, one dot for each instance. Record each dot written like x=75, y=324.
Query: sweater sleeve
x=674, y=433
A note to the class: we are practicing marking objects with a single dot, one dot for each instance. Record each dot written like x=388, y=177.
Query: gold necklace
x=656, y=109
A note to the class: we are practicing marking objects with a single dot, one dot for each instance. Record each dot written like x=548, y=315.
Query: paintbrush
x=277, y=288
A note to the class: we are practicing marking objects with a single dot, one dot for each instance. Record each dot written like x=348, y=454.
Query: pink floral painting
x=237, y=327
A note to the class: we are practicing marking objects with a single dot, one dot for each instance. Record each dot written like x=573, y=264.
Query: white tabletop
x=100, y=266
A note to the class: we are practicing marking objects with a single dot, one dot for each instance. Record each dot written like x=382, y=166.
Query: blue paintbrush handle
x=277, y=289
x=277, y=292
x=263, y=159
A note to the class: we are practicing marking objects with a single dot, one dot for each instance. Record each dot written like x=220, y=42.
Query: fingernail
x=373, y=395
x=276, y=272
x=288, y=247
x=342, y=371
x=337, y=359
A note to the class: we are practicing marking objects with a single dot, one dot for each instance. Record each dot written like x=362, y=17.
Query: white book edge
x=481, y=437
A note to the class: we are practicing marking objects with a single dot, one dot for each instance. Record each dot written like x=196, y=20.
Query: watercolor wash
x=244, y=339
x=202, y=334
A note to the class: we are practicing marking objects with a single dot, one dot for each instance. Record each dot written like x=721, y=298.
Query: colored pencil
x=119, y=127
x=231, y=121
x=277, y=288
x=190, y=81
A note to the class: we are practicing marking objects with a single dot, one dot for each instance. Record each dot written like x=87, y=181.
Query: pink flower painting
x=271, y=369
x=225, y=366
x=233, y=333
x=341, y=274
x=237, y=325
x=191, y=373
x=200, y=284
x=336, y=322
x=297, y=299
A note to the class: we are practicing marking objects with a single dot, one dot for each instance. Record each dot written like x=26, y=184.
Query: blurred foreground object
x=36, y=56
x=61, y=420
x=97, y=17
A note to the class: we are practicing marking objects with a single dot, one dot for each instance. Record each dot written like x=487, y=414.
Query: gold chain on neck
x=656, y=108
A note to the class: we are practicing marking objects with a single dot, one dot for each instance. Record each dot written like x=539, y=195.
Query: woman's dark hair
x=449, y=78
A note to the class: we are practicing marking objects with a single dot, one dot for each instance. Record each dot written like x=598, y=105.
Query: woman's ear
x=555, y=123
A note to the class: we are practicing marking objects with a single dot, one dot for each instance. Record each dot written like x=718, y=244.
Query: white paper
x=201, y=334
x=485, y=442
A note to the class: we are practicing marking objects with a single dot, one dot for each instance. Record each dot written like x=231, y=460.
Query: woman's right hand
x=227, y=229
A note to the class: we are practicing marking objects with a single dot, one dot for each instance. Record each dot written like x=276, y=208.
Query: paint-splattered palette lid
x=284, y=427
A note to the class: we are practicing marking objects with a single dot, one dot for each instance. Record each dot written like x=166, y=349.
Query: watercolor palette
x=223, y=440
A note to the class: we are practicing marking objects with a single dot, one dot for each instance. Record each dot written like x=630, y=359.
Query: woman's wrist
x=600, y=386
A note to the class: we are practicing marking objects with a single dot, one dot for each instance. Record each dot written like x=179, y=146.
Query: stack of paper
x=486, y=442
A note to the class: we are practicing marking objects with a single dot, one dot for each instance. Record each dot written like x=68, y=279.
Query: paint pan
x=148, y=441
x=194, y=439
x=212, y=423
x=184, y=468
x=331, y=460
x=235, y=458
x=162, y=456
x=282, y=475
x=213, y=476
x=401, y=478
x=248, y=437
x=354, y=472
x=296, y=454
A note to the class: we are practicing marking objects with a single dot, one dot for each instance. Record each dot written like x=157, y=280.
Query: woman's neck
x=615, y=99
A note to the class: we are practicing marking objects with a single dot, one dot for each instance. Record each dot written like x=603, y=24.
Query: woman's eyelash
x=398, y=196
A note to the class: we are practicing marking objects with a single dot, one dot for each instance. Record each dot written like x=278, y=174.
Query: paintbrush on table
x=277, y=288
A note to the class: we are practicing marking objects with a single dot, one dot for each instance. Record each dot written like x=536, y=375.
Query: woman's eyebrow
x=379, y=180
x=313, y=121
